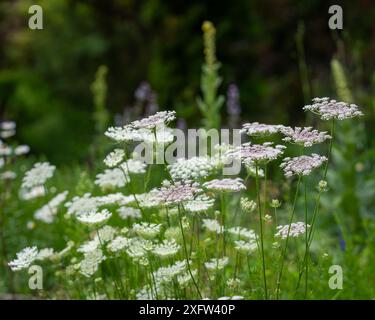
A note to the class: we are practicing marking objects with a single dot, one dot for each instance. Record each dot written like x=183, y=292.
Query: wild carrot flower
x=44, y=254
x=201, y=203
x=38, y=175
x=119, y=243
x=129, y=212
x=48, y=212
x=21, y=150
x=302, y=165
x=133, y=166
x=158, y=119
x=296, y=229
x=213, y=225
x=90, y=264
x=328, y=109
x=304, y=136
x=24, y=259
x=94, y=218
x=259, y=129
x=147, y=230
x=225, y=185
x=243, y=233
x=217, y=264
x=111, y=178
x=257, y=153
x=166, y=249
x=248, y=205
x=172, y=194
x=193, y=168
x=35, y=192
x=244, y=246
x=114, y=158
x=85, y=203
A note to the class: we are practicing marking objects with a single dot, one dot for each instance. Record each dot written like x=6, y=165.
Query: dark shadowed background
x=278, y=53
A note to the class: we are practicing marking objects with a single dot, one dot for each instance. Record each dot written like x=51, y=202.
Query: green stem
x=186, y=253
x=261, y=232
x=287, y=239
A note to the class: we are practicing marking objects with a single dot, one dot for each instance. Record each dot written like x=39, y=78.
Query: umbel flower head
x=114, y=158
x=296, y=229
x=172, y=194
x=38, y=175
x=328, y=109
x=304, y=136
x=302, y=165
x=259, y=129
x=24, y=259
x=158, y=119
x=193, y=168
x=257, y=153
x=225, y=185
x=94, y=218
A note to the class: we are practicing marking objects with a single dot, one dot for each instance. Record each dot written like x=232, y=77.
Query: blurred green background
x=278, y=53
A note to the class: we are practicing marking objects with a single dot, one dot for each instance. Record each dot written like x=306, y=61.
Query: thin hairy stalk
x=287, y=239
x=261, y=232
x=186, y=253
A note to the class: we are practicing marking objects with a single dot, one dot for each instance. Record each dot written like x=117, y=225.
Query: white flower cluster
x=129, y=212
x=86, y=203
x=243, y=233
x=296, y=229
x=94, y=218
x=177, y=193
x=158, y=119
x=257, y=153
x=193, y=168
x=328, y=109
x=48, y=212
x=90, y=263
x=165, y=275
x=217, y=264
x=35, y=192
x=114, y=158
x=302, y=165
x=133, y=166
x=147, y=230
x=27, y=256
x=166, y=249
x=145, y=129
x=225, y=185
x=38, y=175
x=24, y=259
x=248, y=205
x=259, y=129
x=201, y=203
x=213, y=225
x=111, y=178
x=119, y=243
x=304, y=136
x=245, y=247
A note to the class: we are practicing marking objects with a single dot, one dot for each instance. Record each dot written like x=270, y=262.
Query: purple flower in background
x=152, y=105
x=233, y=106
x=233, y=100
x=142, y=93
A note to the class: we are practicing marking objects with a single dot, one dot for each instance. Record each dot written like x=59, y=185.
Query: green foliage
x=211, y=103
x=99, y=91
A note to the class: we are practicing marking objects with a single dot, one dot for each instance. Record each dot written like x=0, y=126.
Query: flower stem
x=287, y=239
x=186, y=253
x=261, y=232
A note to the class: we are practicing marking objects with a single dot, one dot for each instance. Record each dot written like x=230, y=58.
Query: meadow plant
x=184, y=230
